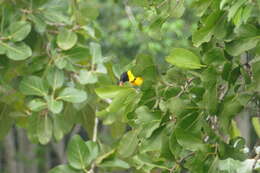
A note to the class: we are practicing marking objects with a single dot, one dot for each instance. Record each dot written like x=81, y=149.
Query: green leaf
x=77, y=153
x=92, y=11
x=44, y=128
x=184, y=58
x=87, y=117
x=55, y=78
x=231, y=107
x=205, y=33
x=127, y=98
x=210, y=100
x=33, y=85
x=144, y=115
x=32, y=128
x=237, y=47
x=66, y=39
x=60, y=62
x=214, y=56
x=153, y=143
x=54, y=106
x=256, y=125
x=229, y=165
x=114, y=163
x=37, y=105
x=72, y=95
x=109, y=91
x=87, y=77
x=235, y=7
x=201, y=6
x=150, y=120
x=176, y=75
x=19, y=30
x=39, y=23
x=174, y=146
x=17, y=51
x=63, y=169
x=176, y=105
x=93, y=150
x=188, y=140
x=177, y=8
x=56, y=16
x=58, y=131
x=77, y=54
x=96, y=53
x=128, y=144
x=223, y=3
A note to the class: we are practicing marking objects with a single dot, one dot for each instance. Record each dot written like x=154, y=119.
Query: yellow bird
x=129, y=77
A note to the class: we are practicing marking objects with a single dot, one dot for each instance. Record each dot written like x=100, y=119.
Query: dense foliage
x=60, y=64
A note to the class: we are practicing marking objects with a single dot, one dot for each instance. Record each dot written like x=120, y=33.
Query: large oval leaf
x=77, y=153
x=184, y=58
x=33, y=85
x=19, y=30
x=128, y=144
x=54, y=106
x=18, y=51
x=109, y=91
x=63, y=169
x=87, y=77
x=37, y=105
x=55, y=78
x=72, y=95
x=44, y=128
x=66, y=39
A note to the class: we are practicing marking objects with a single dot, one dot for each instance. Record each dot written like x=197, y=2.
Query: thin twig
x=184, y=88
x=180, y=162
x=94, y=139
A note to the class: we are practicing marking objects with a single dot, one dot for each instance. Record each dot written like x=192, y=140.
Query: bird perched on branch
x=129, y=77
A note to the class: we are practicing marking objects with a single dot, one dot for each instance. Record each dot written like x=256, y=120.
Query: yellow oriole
x=129, y=77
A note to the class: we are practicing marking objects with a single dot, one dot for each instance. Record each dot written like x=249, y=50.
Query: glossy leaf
x=55, y=78
x=128, y=144
x=189, y=141
x=17, y=51
x=66, y=39
x=87, y=77
x=72, y=95
x=77, y=153
x=37, y=105
x=63, y=169
x=109, y=91
x=44, y=128
x=205, y=33
x=93, y=150
x=19, y=30
x=184, y=58
x=55, y=106
x=239, y=46
x=96, y=53
x=115, y=163
x=33, y=85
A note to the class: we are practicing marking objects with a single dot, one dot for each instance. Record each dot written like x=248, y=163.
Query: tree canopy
x=60, y=62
